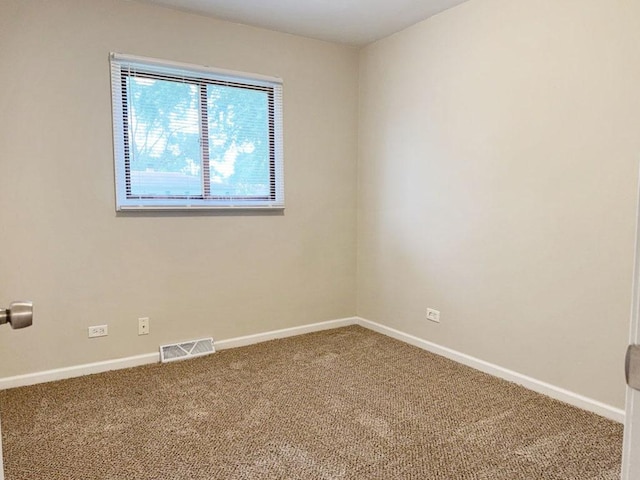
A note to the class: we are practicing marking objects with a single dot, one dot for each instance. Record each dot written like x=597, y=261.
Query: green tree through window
x=195, y=139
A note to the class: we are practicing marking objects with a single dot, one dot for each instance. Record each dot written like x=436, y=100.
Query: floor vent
x=184, y=350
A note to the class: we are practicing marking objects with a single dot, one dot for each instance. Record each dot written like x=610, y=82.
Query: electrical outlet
x=98, y=331
x=433, y=315
x=143, y=326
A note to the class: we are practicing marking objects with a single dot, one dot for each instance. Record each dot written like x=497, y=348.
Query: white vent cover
x=190, y=349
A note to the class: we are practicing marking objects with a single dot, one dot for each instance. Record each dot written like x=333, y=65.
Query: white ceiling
x=354, y=22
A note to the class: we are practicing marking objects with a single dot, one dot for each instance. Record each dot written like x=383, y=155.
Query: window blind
x=189, y=136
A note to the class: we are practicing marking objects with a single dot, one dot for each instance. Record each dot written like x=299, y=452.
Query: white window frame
x=126, y=201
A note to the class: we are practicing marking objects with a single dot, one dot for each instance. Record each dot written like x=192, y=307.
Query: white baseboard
x=77, y=371
x=284, y=333
x=558, y=393
x=145, y=359
x=552, y=391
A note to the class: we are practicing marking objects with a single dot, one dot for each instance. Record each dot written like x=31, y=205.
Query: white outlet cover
x=98, y=331
x=143, y=326
x=433, y=315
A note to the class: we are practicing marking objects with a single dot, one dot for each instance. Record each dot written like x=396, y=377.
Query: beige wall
x=499, y=148
x=196, y=275
x=497, y=166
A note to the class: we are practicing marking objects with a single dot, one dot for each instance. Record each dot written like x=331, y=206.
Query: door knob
x=19, y=314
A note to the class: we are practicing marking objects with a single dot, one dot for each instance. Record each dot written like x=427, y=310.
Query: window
x=194, y=137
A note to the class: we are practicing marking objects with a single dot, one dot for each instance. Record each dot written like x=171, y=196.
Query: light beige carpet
x=342, y=404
